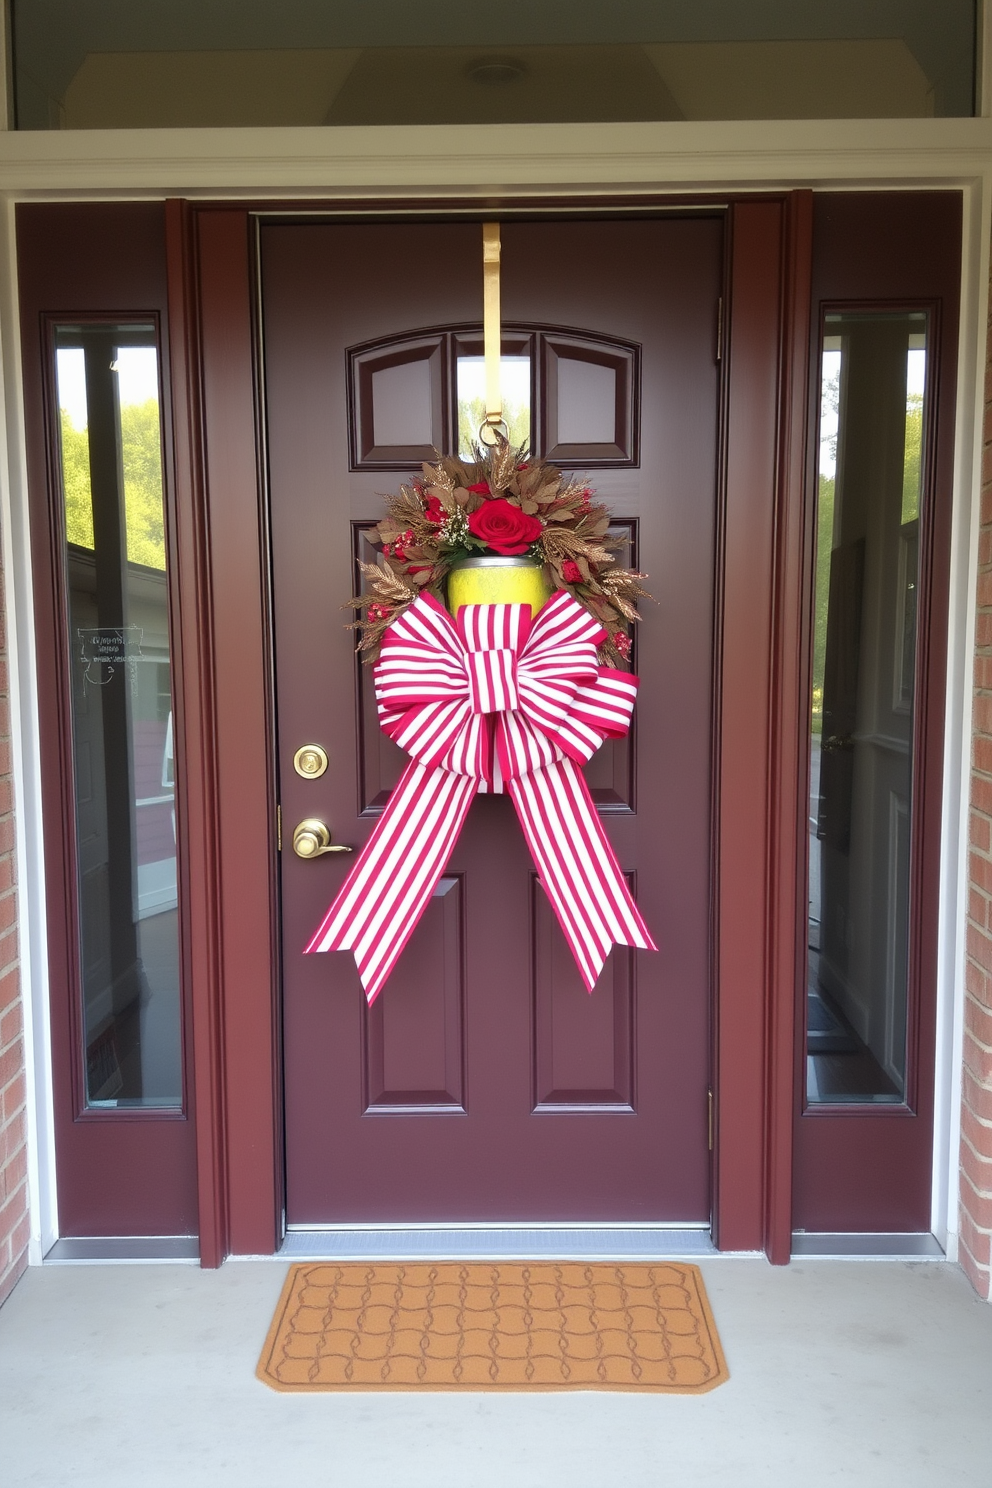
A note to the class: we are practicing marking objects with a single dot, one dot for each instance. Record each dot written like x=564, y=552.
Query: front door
x=485, y=1084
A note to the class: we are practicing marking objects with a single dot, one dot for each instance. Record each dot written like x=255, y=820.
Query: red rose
x=481, y=488
x=504, y=528
x=436, y=513
x=571, y=572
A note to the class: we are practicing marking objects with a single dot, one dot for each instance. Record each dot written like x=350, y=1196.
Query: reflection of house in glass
x=864, y=660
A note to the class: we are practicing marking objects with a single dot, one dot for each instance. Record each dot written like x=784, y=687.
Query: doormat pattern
x=493, y=1326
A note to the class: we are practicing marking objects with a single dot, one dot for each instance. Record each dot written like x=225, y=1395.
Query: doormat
x=524, y=1325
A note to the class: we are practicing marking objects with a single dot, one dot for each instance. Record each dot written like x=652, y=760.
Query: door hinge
x=719, y=329
x=709, y=1119
x=278, y=828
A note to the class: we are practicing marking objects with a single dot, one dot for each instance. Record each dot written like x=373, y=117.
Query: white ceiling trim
x=482, y=159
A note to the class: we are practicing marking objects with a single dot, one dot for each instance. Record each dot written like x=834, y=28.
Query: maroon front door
x=485, y=1084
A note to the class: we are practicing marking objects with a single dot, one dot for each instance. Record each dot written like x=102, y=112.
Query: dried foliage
x=427, y=529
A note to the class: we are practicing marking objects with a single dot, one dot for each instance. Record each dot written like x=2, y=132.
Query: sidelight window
x=871, y=470
x=107, y=380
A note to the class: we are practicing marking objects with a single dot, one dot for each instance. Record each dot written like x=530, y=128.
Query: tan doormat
x=521, y=1325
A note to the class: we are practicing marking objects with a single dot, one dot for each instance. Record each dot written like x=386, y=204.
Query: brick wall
x=976, y=1138
x=13, y=1119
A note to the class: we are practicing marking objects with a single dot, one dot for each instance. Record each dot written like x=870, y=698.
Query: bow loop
x=492, y=702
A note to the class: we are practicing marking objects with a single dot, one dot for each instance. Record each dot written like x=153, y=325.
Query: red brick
x=6, y=797
x=976, y=1240
x=985, y=577
x=977, y=982
x=10, y=987
x=980, y=831
x=22, y=1233
x=982, y=714
x=978, y=1135
x=978, y=1207
x=980, y=872
x=15, y=1171
x=11, y=1062
x=978, y=912
x=978, y=1060
x=14, y=1098
x=985, y=547
x=981, y=757
x=983, y=620
x=978, y=1021
x=8, y=950
x=12, y=1212
x=977, y=1097
x=977, y=1168
x=981, y=785
x=11, y=1023
x=979, y=946
x=7, y=832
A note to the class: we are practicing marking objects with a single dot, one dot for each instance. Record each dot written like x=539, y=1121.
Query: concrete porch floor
x=861, y=1373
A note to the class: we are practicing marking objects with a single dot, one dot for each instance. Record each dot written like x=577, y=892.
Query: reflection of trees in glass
x=76, y=483
x=141, y=457
x=911, y=468
x=829, y=418
x=824, y=546
x=472, y=415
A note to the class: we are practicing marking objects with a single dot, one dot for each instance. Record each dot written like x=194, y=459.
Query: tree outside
x=141, y=457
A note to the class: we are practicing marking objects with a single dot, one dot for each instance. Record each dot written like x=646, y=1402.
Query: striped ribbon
x=494, y=702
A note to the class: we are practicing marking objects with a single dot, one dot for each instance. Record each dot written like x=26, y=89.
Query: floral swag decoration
x=499, y=503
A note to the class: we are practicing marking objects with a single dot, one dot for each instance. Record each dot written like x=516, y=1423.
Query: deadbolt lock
x=310, y=761
x=312, y=838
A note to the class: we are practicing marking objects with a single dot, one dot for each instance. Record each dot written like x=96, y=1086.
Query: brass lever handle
x=313, y=837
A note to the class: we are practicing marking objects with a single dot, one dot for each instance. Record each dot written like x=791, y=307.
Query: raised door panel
x=415, y=1037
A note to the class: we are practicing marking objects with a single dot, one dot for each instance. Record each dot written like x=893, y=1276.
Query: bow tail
x=388, y=889
x=577, y=866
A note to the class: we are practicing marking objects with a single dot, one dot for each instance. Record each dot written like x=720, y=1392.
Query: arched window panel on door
x=518, y=374
x=590, y=403
x=399, y=408
x=380, y=761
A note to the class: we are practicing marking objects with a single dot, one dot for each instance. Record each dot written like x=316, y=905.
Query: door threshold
x=508, y=1242
x=856, y=1246
x=99, y=1250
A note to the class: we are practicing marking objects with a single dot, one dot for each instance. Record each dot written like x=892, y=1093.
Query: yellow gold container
x=497, y=581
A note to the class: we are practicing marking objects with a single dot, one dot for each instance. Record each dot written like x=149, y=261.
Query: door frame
x=223, y=577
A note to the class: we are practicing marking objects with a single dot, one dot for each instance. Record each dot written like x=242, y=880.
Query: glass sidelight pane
x=873, y=376
x=122, y=733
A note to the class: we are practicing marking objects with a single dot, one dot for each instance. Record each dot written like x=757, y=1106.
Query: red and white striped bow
x=493, y=702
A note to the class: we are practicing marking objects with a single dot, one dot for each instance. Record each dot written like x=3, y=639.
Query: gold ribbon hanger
x=491, y=334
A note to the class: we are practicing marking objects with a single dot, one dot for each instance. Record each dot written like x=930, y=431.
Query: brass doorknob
x=313, y=837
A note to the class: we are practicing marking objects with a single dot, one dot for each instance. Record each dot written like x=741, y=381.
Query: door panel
x=486, y=1084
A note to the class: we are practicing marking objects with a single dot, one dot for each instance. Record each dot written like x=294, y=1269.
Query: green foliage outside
x=472, y=415
x=141, y=457
x=824, y=546
x=911, y=469
x=76, y=483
